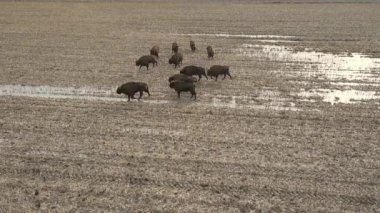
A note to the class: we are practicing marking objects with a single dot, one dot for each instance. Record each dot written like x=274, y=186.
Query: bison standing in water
x=210, y=52
x=176, y=59
x=192, y=46
x=155, y=50
x=175, y=47
x=180, y=86
x=145, y=61
x=217, y=70
x=131, y=88
x=194, y=70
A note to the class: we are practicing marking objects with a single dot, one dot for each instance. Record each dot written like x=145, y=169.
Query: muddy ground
x=296, y=129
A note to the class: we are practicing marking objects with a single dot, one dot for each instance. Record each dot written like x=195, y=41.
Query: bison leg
x=147, y=91
x=129, y=98
x=147, y=67
x=140, y=67
x=141, y=92
x=224, y=76
x=179, y=94
x=216, y=77
x=229, y=75
x=193, y=94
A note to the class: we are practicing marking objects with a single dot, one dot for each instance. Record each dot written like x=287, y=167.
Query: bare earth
x=297, y=129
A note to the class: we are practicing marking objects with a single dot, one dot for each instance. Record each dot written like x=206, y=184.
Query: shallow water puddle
x=340, y=96
x=354, y=67
x=280, y=38
x=345, y=70
x=83, y=93
x=265, y=101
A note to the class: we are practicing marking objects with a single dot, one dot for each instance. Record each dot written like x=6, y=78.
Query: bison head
x=172, y=84
x=118, y=91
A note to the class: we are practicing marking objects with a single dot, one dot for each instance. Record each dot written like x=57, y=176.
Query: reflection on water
x=346, y=70
x=348, y=66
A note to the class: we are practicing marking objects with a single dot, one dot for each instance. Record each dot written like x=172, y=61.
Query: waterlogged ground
x=297, y=128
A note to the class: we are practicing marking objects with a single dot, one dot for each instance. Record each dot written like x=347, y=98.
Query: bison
x=131, y=88
x=217, y=70
x=145, y=61
x=194, y=70
x=175, y=47
x=155, y=50
x=182, y=77
x=176, y=59
x=192, y=46
x=210, y=52
x=180, y=86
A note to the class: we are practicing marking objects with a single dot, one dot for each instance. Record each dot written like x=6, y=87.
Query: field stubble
x=296, y=129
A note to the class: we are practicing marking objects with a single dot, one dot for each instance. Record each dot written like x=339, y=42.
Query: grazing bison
x=192, y=46
x=217, y=70
x=180, y=86
x=194, y=70
x=175, y=47
x=131, y=88
x=210, y=52
x=176, y=59
x=182, y=77
x=155, y=50
x=145, y=61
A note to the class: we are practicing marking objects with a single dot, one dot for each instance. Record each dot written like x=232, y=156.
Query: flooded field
x=296, y=129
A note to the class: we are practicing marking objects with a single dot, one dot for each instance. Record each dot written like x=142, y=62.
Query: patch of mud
x=150, y=131
x=236, y=103
x=338, y=96
x=266, y=99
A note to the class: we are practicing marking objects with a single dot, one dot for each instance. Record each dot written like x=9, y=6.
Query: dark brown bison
x=182, y=77
x=192, y=46
x=194, y=70
x=217, y=70
x=131, y=88
x=175, y=47
x=180, y=86
x=145, y=61
x=210, y=52
x=176, y=59
x=155, y=50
